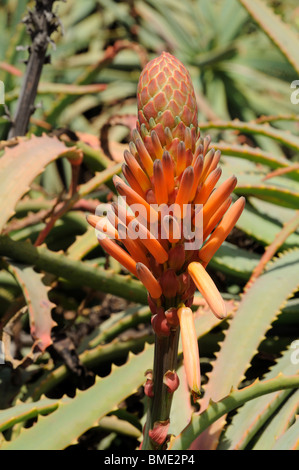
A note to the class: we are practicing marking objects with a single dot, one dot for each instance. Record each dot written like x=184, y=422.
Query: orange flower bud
x=221, y=232
x=151, y=283
x=132, y=180
x=169, y=283
x=176, y=257
x=119, y=254
x=185, y=188
x=102, y=224
x=218, y=197
x=137, y=171
x=160, y=183
x=208, y=186
x=168, y=170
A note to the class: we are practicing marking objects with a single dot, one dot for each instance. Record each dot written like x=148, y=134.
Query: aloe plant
x=96, y=319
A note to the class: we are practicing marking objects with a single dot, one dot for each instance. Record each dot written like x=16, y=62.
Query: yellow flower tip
x=209, y=291
x=149, y=281
x=190, y=349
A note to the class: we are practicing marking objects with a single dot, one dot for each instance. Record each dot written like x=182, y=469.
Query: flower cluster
x=171, y=174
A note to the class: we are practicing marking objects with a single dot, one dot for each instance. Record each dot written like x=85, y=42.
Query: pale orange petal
x=190, y=349
x=207, y=288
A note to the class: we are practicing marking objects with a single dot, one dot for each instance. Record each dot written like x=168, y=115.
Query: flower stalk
x=169, y=226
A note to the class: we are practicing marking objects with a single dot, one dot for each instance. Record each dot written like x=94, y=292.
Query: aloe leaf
x=20, y=165
x=271, y=193
x=24, y=411
x=255, y=155
x=283, y=137
x=77, y=272
x=289, y=440
x=204, y=322
x=252, y=416
x=280, y=191
x=278, y=241
x=85, y=409
x=39, y=306
x=279, y=424
x=234, y=261
x=278, y=213
x=263, y=229
x=200, y=422
x=83, y=245
x=280, y=33
x=259, y=307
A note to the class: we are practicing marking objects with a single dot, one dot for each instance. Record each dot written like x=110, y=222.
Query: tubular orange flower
x=207, y=164
x=152, y=244
x=119, y=254
x=168, y=170
x=169, y=164
x=190, y=349
x=160, y=183
x=208, y=289
x=137, y=171
x=197, y=166
x=216, y=217
x=172, y=228
x=149, y=281
x=224, y=228
x=134, y=198
x=132, y=246
x=218, y=196
x=208, y=186
x=145, y=157
x=181, y=163
x=133, y=182
x=185, y=188
x=103, y=225
x=158, y=149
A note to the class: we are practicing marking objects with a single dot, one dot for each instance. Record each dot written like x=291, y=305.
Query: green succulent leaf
x=279, y=32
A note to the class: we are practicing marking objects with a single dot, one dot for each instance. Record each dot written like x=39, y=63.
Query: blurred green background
x=236, y=70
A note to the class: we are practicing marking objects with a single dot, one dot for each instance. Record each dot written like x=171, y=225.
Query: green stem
x=165, y=359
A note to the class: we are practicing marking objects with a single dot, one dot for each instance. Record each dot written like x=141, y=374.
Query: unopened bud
x=171, y=380
x=172, y=317
x=176, y=257
x=169, y=283
x=159, y=323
